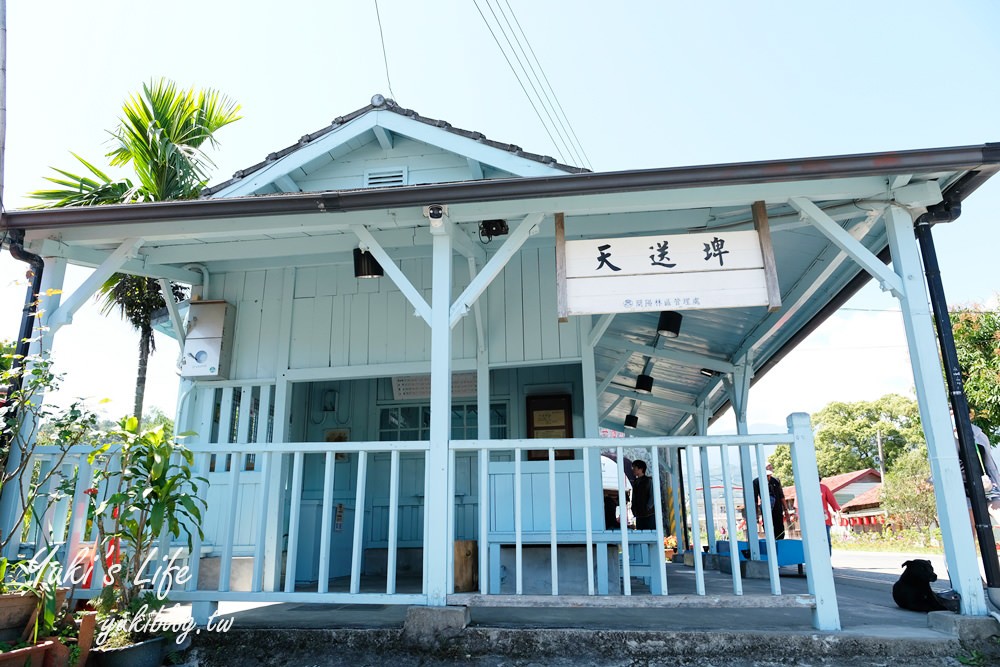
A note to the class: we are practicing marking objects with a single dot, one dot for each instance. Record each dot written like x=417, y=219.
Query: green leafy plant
x=974, y=658
x=156, y=494
x=23, y=413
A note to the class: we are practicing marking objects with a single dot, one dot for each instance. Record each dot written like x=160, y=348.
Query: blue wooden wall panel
x=302, y=326
x=378, y=327
x=548, y=308
x=339, y=331
x=322, y=328
x=398, y=311
x=531, y=302
x=513, y=317
x=326, y=280
x=305, y=282
x=357, y=307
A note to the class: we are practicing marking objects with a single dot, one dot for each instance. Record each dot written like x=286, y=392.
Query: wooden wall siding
x=257, y=296
x=339, y=320
x=424, y=164
x=521, y=308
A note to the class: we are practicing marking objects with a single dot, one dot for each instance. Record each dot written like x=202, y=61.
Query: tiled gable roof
x=870, y=498
x=380, y=103
x=837, y=482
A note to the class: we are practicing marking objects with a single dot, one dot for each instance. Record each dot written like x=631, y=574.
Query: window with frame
x=413, y=422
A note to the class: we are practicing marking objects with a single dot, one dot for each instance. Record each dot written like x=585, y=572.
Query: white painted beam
x=286, y=184
x=692, y=359
x=613, y=372
x=689, y=408
x=383, y=136
x=493, y=267
x=114, y=262
x=865, y=258
x=467, y=247
x=602, y=325
x=802, y=296
x=81, y=256
x=475, y=169
x=175, y=316
x=394, y=272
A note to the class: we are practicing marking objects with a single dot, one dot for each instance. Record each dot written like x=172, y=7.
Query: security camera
x=435, y=211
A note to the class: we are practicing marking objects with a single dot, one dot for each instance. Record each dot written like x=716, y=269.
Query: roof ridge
x=381, y=103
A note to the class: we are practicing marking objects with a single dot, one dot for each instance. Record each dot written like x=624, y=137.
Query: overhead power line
x=385, y=59
x=529, y=73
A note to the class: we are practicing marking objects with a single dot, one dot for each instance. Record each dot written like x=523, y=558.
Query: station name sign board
x=721, y=269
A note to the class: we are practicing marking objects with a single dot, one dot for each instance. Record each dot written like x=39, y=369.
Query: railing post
x=826, y=615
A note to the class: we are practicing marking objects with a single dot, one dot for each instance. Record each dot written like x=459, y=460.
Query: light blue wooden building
x=354, y=428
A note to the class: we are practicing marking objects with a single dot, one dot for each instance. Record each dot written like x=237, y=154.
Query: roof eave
x=984, y=158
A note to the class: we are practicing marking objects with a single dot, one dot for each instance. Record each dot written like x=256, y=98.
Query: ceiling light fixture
x=669, y=324
x=644, y=384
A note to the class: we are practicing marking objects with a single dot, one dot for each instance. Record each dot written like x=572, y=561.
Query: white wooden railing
x=260, y=497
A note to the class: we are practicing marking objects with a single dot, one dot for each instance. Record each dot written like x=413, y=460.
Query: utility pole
x=881, y=456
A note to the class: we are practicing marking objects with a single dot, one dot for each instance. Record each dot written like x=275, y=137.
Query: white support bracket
x=614, y=371
x=865, y=258
x=477, y=311
x=64, y=314
x=602, y=325
x=175, y=315
x=397, y=276
x=467, y=247
x=527, y=227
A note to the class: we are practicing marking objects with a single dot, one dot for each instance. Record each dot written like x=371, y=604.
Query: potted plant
x=155, y=494
x=669, y=547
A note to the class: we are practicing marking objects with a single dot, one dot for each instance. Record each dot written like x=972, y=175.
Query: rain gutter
x=967, y=157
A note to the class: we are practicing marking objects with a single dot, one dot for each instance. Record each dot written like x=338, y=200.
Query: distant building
x=854, y=490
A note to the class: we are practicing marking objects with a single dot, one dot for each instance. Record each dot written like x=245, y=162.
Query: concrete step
x=427, y=641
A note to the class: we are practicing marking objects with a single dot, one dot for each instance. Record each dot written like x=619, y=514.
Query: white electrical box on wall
x=208, y=347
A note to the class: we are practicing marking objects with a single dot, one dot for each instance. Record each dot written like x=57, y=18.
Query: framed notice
x=550, y=417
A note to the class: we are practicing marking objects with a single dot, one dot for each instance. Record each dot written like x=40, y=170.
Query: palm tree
x=160, y=137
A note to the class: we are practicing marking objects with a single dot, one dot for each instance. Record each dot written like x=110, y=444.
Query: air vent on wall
x=384, y=178
x=410, y=387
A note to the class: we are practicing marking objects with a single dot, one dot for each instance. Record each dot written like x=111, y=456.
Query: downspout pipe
x=24, y=336
x=948, y=211
x=8, y=497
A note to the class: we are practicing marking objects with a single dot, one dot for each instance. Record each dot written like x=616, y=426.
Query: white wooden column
x=956, y=529
x=439, y=494
x=739, y=392
x=277, y=468
x=701, y=419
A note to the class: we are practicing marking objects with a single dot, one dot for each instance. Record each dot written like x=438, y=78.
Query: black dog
x=913, y=590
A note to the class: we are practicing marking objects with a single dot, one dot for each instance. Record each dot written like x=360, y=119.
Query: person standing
x=643, y=504
x=829, y=503
x=779, y=512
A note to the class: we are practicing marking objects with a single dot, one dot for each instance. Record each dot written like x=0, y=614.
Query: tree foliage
x=847, y=436
x=907, y=494
x=977, y=340
x=160, y=136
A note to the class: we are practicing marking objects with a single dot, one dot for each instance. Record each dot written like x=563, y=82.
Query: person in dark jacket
x=777, y=496
x=643, y=505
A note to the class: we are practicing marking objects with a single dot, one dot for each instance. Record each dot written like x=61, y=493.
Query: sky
x=644, y=84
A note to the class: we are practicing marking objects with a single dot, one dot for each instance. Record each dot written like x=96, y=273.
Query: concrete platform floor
x=875, y=632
